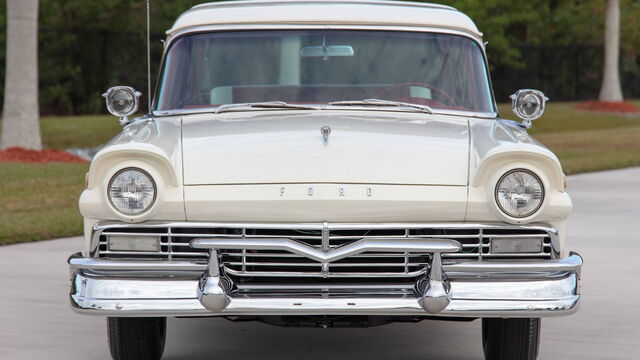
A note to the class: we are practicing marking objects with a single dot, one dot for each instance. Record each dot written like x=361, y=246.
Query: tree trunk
x=611, y=89
x=20, y=125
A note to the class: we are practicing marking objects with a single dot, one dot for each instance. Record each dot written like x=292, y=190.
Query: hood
x=363, y=147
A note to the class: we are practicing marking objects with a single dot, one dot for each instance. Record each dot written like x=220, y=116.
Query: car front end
x=326, y=174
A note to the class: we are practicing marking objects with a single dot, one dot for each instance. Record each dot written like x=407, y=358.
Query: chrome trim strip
x=78, y=262
x=212, y=111
x=369, y=244
x=291, y=274
x=319, y=226
x=171, y=37
x=247, y=3
x=320, y=287
x=573, y=263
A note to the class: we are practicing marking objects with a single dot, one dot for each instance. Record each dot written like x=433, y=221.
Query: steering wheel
x=445, y=95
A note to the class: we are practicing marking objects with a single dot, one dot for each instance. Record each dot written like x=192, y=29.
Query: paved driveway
x=37, y=323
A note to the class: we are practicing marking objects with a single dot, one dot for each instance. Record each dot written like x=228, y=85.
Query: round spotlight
x=528, y=105
x=122, y=101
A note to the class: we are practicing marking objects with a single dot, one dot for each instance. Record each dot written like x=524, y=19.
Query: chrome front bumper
x=527, y=288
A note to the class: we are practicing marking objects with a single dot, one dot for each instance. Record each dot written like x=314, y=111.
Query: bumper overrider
x=500, y=288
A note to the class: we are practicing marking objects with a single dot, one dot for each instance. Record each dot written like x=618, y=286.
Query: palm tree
x=20, y=125
x=611, y=89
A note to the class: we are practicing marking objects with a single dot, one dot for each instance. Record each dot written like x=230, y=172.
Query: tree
x=611, y=89
x=20, y=125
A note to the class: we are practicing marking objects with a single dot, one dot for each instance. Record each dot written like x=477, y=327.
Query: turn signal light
x=516, y=245
x=131, y=243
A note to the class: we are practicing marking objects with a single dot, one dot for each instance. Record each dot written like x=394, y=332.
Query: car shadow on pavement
x=216, y=338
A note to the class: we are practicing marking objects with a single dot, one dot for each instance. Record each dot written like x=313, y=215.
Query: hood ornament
x=325, y=131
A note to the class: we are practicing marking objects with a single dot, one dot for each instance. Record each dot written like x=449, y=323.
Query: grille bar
x=289, y=255
x=287, y=274
x=317, y=264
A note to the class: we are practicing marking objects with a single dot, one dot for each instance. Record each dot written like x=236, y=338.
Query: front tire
x=136, y=338
x=511, y=339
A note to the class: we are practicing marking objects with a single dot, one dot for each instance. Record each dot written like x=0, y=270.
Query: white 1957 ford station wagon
x=325, y=163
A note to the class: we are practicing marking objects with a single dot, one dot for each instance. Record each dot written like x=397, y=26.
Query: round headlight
x=519, y=193
x=132, y=191
x=122, y=101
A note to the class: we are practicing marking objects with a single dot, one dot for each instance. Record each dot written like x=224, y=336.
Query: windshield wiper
x=379, y=102
x=262, y=105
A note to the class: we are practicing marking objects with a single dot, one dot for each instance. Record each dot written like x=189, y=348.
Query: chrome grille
x=270, y=263
x=248, y=264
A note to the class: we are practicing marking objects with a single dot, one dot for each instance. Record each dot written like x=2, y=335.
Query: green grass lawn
x=39, y=201
x=586, y=141
x=64, y=132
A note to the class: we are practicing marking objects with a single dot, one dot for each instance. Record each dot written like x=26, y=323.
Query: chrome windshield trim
x=171, y=37
x=212, y=110
x=307, y=26
x=248, y=3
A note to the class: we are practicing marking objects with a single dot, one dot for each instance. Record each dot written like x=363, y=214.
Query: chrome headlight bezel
x=145, y=209
x=530, y=213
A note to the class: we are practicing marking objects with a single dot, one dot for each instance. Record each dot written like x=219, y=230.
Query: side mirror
x=528, y=105
x=122, y=101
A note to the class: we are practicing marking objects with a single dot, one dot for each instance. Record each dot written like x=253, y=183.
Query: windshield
x=441, y=71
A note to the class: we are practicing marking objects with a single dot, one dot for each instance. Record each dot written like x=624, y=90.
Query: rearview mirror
x=327, y=52
x=528, y=105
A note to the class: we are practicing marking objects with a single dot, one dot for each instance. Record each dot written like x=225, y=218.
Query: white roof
x=325, y=12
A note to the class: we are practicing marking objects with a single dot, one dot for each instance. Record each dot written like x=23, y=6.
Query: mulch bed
x=18, y=154
x=610, y=107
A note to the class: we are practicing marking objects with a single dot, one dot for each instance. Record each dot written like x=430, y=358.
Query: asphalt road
x=37, y=323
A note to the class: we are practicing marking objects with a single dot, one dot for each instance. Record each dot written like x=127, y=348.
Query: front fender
x=153, y=146
x=497, y=148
